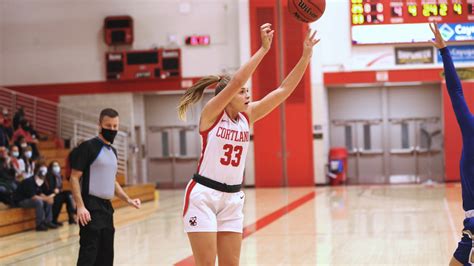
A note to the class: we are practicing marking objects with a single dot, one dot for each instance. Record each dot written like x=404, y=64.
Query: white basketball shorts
x=209, y=210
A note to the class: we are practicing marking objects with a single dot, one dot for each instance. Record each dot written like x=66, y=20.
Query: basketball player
x=463, y=254
x=212, y=214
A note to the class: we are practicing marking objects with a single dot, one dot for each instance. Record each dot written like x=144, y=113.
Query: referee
x=94, y=167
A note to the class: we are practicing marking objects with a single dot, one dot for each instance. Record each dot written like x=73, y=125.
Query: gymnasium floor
x=356, y=225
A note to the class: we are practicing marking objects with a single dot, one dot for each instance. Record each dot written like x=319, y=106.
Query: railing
x=84, y=131
x=40, y=113
x=49, y=117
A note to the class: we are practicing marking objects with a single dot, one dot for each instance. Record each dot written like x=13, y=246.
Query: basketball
x=307, y=11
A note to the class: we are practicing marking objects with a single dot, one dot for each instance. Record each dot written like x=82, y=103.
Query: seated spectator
x=29, y=162
x=18, y=163
x=8, y=161
x=7, y=123
x=24, y=131
x=7, y=183
x=54, y=182
x=19, y=115
x=31, y=193
x=21, y=143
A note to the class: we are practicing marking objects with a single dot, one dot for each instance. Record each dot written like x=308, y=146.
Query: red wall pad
x=267, y=132
x=299, y=132
x=452, y=132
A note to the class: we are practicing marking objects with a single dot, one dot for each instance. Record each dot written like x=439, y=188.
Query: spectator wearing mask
x=29, y=162
x=32, y=193
x=24, y=131
x=54, y=182
x=8, y=161
x=18, y=163
x=21, y=143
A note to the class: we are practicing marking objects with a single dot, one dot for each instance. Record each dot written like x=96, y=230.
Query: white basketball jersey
x=224, y=148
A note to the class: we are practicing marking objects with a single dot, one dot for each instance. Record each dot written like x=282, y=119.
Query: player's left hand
x=438, y=42
x=136, y=203
x=309, y=42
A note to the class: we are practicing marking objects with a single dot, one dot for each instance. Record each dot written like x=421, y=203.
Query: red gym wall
x=452, y=132
x=267, y=132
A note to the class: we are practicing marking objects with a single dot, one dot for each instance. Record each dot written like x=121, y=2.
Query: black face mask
x=109, y=134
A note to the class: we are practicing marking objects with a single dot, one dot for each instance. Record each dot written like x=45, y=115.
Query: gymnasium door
x=415, y=134
x=173, y=146
x=356, y=123
x=393, y=134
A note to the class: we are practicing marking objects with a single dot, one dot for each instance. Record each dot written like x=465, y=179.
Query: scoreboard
x=389, y=15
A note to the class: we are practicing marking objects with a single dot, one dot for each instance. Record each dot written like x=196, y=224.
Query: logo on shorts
x=193, y=221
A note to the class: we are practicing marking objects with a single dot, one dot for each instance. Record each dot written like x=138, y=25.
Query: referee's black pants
x=97, y=237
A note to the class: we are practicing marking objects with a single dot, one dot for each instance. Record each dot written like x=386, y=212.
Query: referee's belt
x=216, y=185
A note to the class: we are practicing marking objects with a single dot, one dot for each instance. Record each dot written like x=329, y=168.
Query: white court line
x=451, y=221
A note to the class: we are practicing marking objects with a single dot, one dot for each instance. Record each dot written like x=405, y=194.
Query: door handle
x=410, y=150
x=353, y=151
x=371, y=152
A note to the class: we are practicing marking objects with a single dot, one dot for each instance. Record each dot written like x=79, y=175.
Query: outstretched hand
x=309, y=42
x=438, y=42
x=266, y=33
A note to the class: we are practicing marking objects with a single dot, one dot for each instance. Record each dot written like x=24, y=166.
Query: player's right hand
x=309, y=42
x=83, y=216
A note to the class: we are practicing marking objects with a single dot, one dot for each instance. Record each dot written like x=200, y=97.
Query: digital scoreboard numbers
x=406, y=16
x=367, y=12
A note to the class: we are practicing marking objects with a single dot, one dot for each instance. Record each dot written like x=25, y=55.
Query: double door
x=393, y=134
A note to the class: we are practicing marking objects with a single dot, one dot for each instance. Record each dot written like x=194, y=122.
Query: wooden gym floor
x=355, y=225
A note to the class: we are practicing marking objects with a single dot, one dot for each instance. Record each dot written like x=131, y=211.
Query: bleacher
x=14, y=220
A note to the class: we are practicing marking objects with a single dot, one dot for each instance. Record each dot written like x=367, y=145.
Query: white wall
x=139, y=118
x=122, y=102
x=55, y=41
x=244, y=53
x=333, y=49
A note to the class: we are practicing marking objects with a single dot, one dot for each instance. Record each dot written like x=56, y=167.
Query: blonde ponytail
x=194, y=94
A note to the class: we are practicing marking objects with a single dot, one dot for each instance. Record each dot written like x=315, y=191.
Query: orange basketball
x=307, y=11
